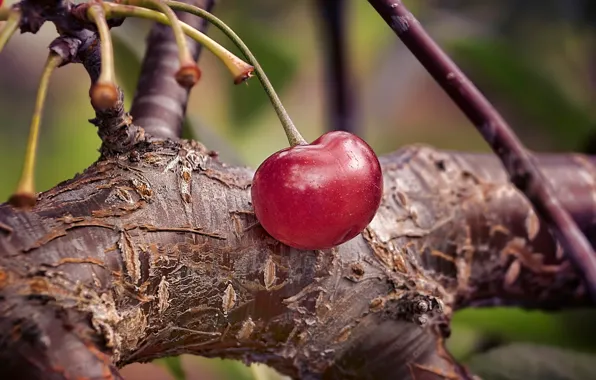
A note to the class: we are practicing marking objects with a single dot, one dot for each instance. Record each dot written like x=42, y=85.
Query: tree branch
x=157, y=253
x=518, y=162
x=114, y=124
x=159, y=104
x=341, y=106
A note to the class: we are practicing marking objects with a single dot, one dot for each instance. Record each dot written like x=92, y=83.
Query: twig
x=518, y=162
x=114, y=125
x=341, y=107
x=159, y=104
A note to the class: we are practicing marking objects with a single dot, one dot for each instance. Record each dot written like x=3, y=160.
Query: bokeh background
x=536, y=60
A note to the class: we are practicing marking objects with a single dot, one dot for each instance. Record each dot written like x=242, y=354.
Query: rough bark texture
x=517, y=160
x=157, y=252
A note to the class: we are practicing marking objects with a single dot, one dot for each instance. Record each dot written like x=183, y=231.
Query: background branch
x=518, y=162
x=159, y=105
x=341, y=108
x=114, y=125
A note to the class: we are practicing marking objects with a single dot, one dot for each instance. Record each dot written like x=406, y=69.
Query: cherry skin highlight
x=319, y=195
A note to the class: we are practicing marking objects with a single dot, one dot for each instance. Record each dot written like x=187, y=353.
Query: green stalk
x=98, y=16
x=4, y=12
x=183, y=52
x=237, y=67
x=25, y=193
x=294, y=137
x=188, y=74
x=13, y=19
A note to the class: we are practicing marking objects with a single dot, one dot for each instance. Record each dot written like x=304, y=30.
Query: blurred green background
x=536, y=60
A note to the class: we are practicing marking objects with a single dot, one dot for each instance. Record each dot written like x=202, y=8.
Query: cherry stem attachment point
x=294, y=137
x=24, y=196
x=13, y=19
x=104, y=93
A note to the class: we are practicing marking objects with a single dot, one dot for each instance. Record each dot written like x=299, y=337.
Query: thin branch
x=341, y=106
x=114, y=125
x=159, y=104
x=518, y=161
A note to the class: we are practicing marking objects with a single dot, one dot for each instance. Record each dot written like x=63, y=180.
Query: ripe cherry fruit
x=318, y=195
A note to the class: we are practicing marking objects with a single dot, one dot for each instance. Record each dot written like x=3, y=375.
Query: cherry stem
x=13, y=19
x=107, y=75
x=237, y=67
x=26, y=183
x=184, y=54
x=294, y=137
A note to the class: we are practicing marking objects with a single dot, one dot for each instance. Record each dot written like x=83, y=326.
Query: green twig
x=237, y=67
x=98, y=16
x=292, y=133
x=25, y=193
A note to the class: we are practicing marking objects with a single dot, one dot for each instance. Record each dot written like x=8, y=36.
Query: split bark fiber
x=156, y=252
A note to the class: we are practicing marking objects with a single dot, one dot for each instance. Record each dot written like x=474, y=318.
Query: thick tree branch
x=341, y=107
x=159, y=104
x=154, y=251
x=157, y=253
x=518, y=162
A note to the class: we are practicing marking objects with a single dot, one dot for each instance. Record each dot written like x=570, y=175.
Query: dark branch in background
x=519, y=163
x=159, y=104
x=589, y=146
x=340, y=104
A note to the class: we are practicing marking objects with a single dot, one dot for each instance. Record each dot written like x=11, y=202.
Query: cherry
x=310, y=196
x=318, y=195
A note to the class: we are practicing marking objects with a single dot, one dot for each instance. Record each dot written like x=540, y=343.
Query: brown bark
x=156, y=252
x=517, y=160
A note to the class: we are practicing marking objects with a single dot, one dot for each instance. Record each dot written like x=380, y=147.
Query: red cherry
x=319, y=195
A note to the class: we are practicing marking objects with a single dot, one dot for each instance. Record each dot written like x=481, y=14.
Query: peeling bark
x=157, y=252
